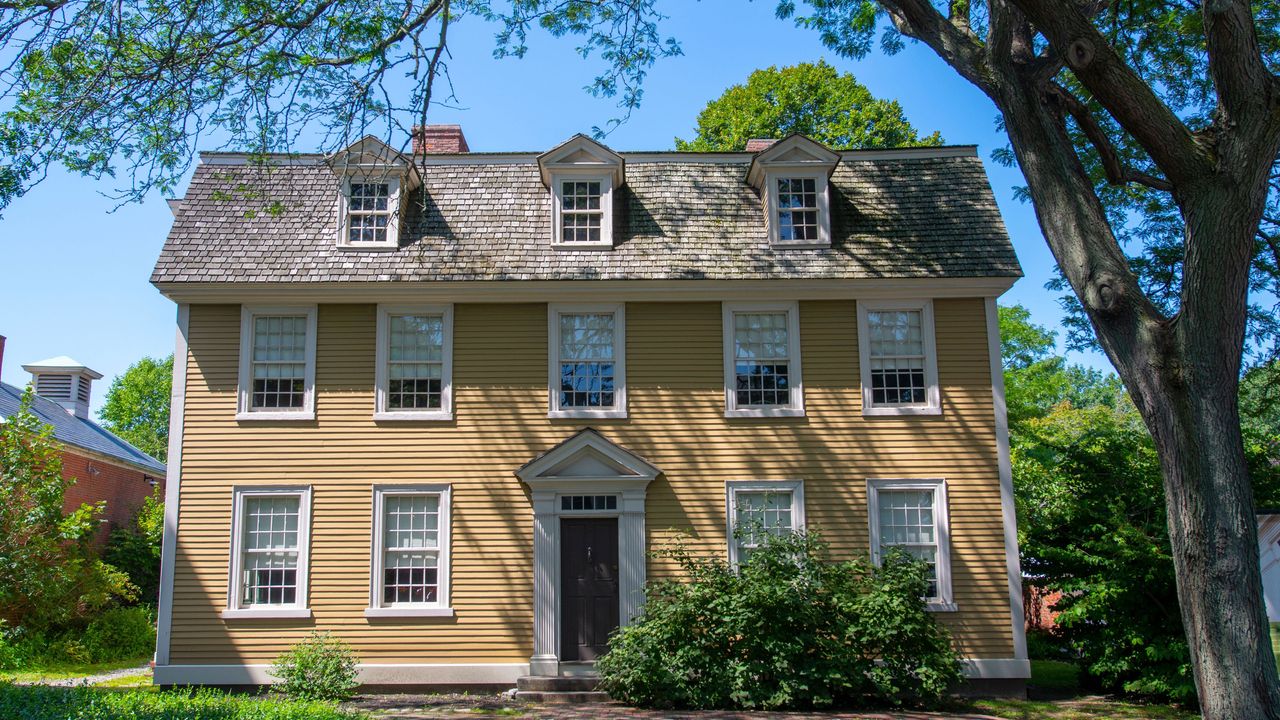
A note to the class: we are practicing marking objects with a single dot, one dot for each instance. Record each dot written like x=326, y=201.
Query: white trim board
x=1008, y=511
x=471, y=673
x=369, y=673
x=172, y=488
x=674, y=290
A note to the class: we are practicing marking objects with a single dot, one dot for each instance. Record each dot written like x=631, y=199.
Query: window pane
x=279, y=361
x=411, y=521
x=270, y=550
x=907, y=520
x=587, y=360
x=581, y=212
x=415, y=370
x=410, y=577
x=759, y=513
x=761, y=369
x=797, y=209
x=897, y=357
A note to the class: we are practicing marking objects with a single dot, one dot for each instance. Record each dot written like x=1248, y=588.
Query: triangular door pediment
x=587, y=455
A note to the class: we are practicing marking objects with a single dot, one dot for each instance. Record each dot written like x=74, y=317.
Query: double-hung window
x=583, y=214
x=414, y=363
x=911, y=515
x=369, y=210
x=411, y=551
x=277, y=363
x=800, y=215
x=898, y=361
x=762, y=360
x=269, y=552
x=759, y=509
x=587, y=369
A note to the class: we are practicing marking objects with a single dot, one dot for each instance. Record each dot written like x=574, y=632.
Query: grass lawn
x=37, y=702
x=1061, y=681
x=70, y=670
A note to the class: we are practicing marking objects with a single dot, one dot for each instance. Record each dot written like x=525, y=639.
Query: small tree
x=810, y=98
x=48, y=573
x=135, y=549
x=137, y=406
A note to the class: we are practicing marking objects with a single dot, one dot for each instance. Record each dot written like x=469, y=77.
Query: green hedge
x=38, y=702
x=1275, y=643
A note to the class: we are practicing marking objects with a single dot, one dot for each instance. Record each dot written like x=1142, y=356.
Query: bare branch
x=953, y=42
x=1117, y=172
x=1245, y=86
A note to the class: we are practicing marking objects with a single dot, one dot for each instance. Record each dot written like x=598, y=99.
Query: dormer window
x=581, y=175
x=371, y=213
x=791, y=176
x=583, y=206
x=374, y=179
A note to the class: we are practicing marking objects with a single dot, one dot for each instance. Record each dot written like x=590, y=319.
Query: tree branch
x=1117, y=172
x=1129, y=99
x=1246, y=88
x=953, y=41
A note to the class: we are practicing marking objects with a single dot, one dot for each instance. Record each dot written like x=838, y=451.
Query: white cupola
x=64, y=381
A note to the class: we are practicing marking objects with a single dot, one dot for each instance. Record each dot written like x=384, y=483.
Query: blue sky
x=73, y=274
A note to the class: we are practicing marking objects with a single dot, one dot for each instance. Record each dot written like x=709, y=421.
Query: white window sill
x=891, y=411
x=302, y=415
x=585, y=414
x=266, y=613
x=764, y=412
x=941, y=607
x=583, y=246
x=380, y=247
x=408, y=612
x=435, y=415
x=779, y=245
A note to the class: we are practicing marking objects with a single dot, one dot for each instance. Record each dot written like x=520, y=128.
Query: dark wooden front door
x=588, y=586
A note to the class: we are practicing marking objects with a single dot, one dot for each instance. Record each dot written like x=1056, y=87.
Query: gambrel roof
x=903, y=213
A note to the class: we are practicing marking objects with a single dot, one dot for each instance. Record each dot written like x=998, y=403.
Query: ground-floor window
x=912, y=515
x=411, y=541
x=270, y=529
x=757, y=509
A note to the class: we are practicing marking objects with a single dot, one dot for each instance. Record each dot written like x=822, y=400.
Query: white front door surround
x=587, y=465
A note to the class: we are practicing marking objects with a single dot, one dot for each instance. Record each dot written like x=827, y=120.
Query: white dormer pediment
x=581, y=154
x=587, y=458
x=796, y=152
x=370, y=156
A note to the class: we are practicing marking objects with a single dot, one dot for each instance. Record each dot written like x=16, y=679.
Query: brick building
x=103, y=467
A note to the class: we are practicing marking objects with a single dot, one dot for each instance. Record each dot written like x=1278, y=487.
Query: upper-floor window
x=269, y=552
x=759, y=509
x=911, y=515
x=414, y=363
x=370, y=213
x=411, y=551
x=797, y=209
x=583, y=211
x=277, y=363
x=762, y=360
x=587, y=360
x=899, y=364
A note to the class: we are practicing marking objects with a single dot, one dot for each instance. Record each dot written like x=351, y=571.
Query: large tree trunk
x=1183, y=376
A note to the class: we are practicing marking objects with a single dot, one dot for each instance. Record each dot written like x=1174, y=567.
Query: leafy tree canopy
x=137, y=406
x=810, y=98
x=129, y=90
x=50, y=574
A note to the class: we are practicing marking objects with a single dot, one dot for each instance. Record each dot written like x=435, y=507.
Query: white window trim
x=796, y=407
x=393, y=209
x=299, y=609
x=933, y=394
x=945, y=602
x=554, y=311
x=821, y=187
x=244, y=409
x=439, y=608
x=606, y=207
x=733, y=487
x=382, y=356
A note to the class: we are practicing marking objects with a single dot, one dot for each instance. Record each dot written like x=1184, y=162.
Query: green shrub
x=788, y=629
x=322, y=667
x=120, y=634
x=35, y=702
x=135, y=548
x=11, y=654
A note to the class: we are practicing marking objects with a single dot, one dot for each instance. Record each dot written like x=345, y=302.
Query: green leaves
x=813, y=99
x=789, y=628
x=137, y=406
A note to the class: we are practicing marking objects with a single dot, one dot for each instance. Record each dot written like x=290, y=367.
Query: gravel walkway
x=90, y=679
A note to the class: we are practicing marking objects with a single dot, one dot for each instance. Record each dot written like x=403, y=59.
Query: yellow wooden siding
x=676, y=400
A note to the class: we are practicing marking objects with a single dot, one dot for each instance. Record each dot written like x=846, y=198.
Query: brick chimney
x=437, y=139
x=758, y=144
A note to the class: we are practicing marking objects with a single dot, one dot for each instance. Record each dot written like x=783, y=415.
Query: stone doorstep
x=560, y=690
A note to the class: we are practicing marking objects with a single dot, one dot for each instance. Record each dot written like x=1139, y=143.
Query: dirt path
x=89, y=679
